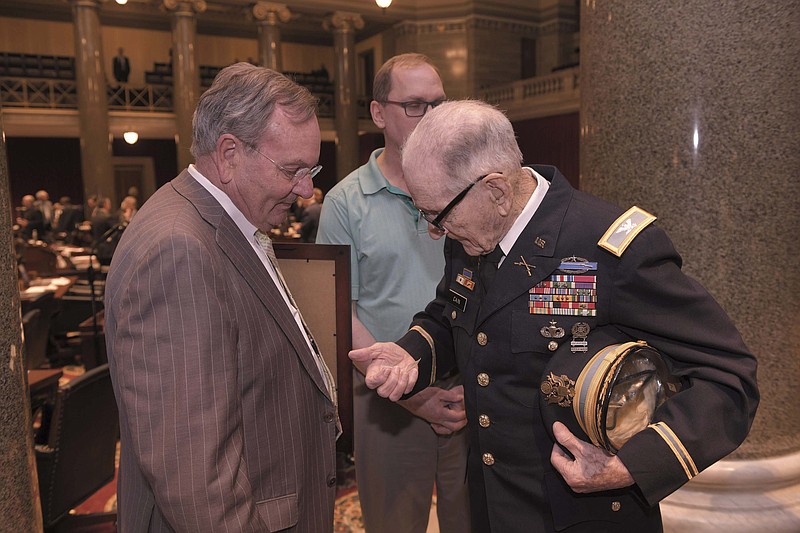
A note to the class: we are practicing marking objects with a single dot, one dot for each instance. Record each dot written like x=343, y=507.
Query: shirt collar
x=372, y=180
x=244, y=225
x=542, y=186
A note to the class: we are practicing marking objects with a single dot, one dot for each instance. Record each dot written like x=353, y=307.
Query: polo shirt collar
x=372, y=180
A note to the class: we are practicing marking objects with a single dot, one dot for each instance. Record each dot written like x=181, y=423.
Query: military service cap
x=608, y=393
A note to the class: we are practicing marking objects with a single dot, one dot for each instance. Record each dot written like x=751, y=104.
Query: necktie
x=266, y=244
x=488, y=268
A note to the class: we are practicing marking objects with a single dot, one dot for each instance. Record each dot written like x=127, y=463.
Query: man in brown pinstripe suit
x=227, y=422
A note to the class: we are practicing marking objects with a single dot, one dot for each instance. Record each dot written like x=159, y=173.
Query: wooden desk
x=29, y=299
x=42, y=386
x=43, y=380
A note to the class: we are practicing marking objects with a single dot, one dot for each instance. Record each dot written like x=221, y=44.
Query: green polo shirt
x=395, y=264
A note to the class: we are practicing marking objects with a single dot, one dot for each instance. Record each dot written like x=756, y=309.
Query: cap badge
x=558, y=389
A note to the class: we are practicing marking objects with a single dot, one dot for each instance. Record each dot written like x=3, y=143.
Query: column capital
x=271, y=13
x=185, y=7
x=343, y=20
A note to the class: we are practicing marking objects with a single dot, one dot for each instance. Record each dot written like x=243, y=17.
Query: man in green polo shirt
x=400, y=452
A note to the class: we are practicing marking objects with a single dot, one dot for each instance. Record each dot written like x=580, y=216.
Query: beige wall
x=29, y=36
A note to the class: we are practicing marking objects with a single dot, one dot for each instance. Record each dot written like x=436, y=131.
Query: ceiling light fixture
x=122, y=2
x=383, y=4
x=130, y=137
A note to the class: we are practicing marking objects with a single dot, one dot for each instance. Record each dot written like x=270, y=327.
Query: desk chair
x=36, y=327
x=78, y=458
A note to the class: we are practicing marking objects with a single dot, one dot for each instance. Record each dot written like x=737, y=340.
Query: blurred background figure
x=122, y=67
x=309, y=221
x=91, y=205
x=44, y=205
x=66, y=219
x=30, y=219
x=127, y=209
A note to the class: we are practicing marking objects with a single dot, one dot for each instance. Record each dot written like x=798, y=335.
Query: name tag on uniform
x=458, y=300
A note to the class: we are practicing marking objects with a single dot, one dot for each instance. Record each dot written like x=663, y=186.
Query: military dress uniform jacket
x=497, y=343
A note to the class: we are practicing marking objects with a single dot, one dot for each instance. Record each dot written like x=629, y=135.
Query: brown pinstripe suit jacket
x=225, y=421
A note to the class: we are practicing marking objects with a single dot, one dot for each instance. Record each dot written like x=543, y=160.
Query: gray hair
x=463, y=139
x=382, y=85
x=241, y=101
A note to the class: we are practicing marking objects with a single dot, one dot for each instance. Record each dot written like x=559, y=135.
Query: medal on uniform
x=553, y=331
x=578, y=344
x=465, y=279
x=576, y=265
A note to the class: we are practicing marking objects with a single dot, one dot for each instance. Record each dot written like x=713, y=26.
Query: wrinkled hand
x=388, y=368
x=442, y=408
x=593, y=469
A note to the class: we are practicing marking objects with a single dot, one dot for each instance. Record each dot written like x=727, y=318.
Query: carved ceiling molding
x=460, y=25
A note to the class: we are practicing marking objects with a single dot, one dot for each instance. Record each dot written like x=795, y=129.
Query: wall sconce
x=130, y=137
x=383, y=4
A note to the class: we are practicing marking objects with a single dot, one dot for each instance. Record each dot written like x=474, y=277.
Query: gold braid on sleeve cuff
x=425, y=335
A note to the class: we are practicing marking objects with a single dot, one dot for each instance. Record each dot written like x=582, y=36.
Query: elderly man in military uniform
x=537, y=273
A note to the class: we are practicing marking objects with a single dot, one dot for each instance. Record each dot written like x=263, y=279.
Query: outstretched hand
x=593, y=468
x=388, y=368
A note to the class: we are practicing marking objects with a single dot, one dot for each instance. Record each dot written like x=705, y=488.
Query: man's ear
x=500, y=189
x=376, y=110
x=227, y=154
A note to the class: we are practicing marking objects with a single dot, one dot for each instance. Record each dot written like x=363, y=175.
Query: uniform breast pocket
x=460, y=309
x=545, y=333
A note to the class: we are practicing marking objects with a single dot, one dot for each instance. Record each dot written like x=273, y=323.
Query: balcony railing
x=38, y=94
x=554, y=93
x=63, y=94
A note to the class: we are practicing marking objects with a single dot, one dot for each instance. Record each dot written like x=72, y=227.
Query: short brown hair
x=382, y=85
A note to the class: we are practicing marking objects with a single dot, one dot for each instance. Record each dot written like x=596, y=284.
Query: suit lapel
x=244, y=259
x=535, y=246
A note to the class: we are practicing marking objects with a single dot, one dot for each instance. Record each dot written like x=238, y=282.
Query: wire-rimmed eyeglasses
x=294, y=175
x=415, y=108
x=436, y=221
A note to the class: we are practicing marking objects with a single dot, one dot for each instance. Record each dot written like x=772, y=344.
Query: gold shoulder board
x=625, y=229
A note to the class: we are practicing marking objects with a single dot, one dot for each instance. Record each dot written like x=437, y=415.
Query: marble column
x=689, y=109
x=97, y=170
x=19, y=489
x=343, y=26
x=269, y=16
x=185, y=72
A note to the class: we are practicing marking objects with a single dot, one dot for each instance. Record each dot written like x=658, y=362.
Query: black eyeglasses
x=415, y=108
x=436, y=221
x=294, y=175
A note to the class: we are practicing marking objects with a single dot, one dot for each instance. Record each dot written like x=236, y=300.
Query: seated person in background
x=102, y=220
x=91, y=205
x=309, y=222
x=30, y=219
x=67, y=217
x=44, y=205
x=127, y=209
x=296, y=211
